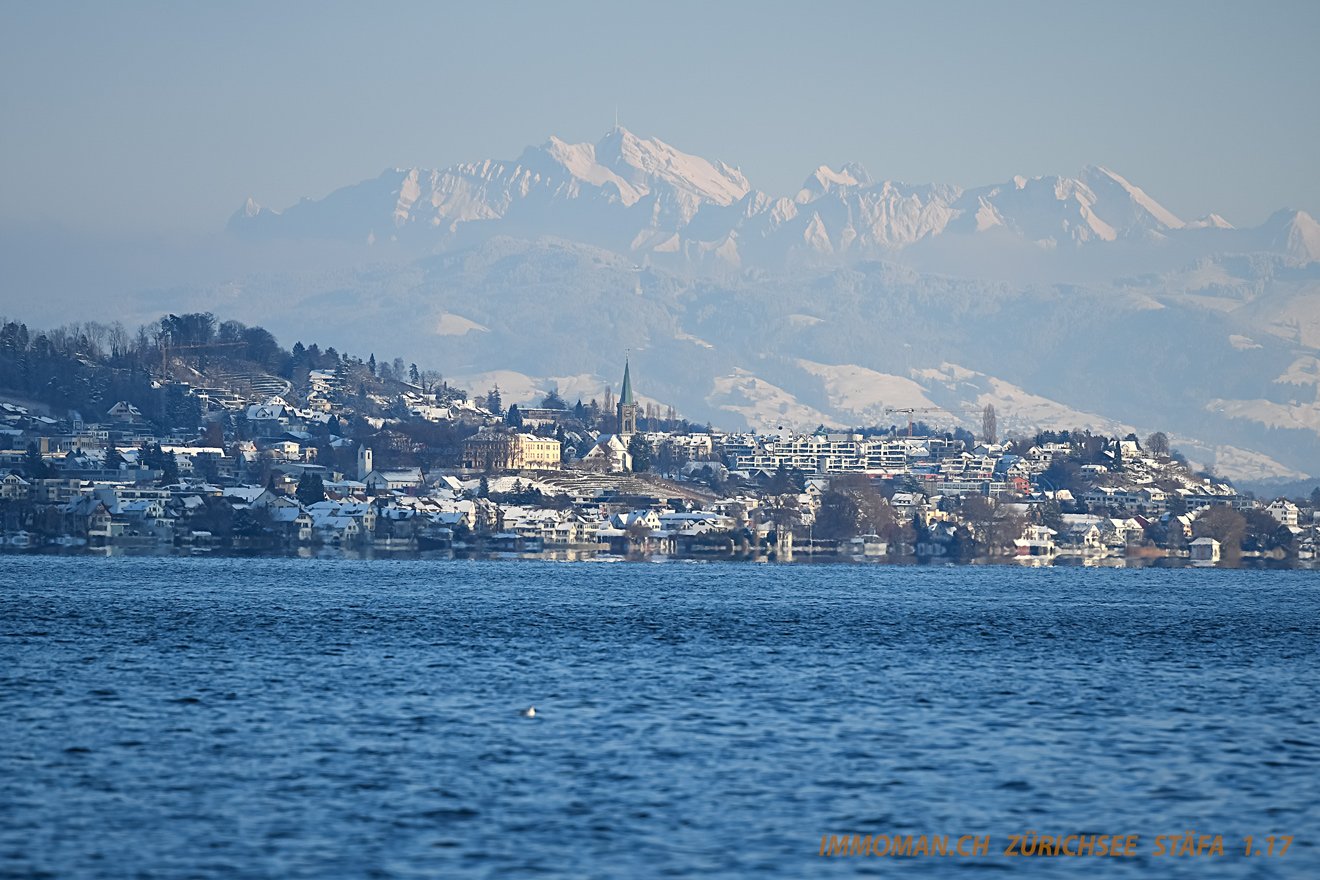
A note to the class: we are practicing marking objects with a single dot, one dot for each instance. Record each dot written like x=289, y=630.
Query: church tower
x=627, y=405
x=363, y=462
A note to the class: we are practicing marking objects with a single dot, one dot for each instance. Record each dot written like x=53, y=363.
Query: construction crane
x=927, y=409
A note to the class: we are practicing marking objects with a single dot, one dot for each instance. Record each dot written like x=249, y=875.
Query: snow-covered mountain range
x=644, y=198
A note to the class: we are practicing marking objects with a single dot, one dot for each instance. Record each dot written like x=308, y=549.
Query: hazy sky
x=131, y=118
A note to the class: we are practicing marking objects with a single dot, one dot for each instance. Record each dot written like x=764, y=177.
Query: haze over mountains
x=645, y=198
x=1066, y=302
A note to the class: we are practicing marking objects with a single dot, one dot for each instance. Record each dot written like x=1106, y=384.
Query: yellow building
x=500, y=451
x=536, y=452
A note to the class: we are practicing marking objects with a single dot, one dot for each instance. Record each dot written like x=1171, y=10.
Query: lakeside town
x=199, y=436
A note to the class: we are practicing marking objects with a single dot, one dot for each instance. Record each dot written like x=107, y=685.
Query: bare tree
x=784, y=512
x=989, y=426
x=852, y=506
x=1157, y=444
x=993, y=527
x=96, y=334
x=117, y=337
x=1226, y=526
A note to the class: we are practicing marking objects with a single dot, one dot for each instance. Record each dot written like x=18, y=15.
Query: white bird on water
x=529, y=712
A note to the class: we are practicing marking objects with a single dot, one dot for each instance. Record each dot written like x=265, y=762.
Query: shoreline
x=591, y=555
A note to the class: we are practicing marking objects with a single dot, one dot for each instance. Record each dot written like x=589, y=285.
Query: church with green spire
x=627, y=405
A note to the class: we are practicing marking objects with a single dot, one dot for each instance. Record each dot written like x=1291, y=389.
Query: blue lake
x=170, y=718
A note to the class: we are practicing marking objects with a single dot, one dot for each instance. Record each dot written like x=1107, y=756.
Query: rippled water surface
x=312, y=718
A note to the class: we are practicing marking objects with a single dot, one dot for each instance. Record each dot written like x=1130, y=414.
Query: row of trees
x=1237, y=531
x=89, y=366
x=853, y=506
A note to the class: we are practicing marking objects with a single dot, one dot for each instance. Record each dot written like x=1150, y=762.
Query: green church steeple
x=627, y=404
x=626, y=396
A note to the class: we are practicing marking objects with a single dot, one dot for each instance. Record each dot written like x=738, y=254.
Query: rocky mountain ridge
x=646, y=199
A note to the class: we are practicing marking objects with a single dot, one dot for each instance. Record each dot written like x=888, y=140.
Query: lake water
x=172, y=718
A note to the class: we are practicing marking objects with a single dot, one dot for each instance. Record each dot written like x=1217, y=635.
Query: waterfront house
x=1205, y=551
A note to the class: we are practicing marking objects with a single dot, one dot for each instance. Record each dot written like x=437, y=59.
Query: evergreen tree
x=989, y=424
x=34, y=466
x=514, y=418
x=311, y=488
x=413, y=375
x=112, y=458
x=1051, y=516
x=920, y=533
x=799, y=479
x=483, y=488
x=493, y=401
x=158, y=459
x=371, y=363
x=779, y=484
x=640, y=450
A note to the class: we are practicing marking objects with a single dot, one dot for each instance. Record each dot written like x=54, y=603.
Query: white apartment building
x=832, y=453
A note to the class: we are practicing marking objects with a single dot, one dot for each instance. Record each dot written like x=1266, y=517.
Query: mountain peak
x=1295, y=233
x=1104, y=182
x=643, y=161
x=824, y=179
x=1209, y=221
x=578, y=159
x=857, y=171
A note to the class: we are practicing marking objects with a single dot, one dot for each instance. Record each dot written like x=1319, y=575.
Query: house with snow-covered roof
x=1284, y=511
x=409, y=480
x=14, y=488
x=609, y=454
x=124, y=413
x=295, y=523
x=269, y=418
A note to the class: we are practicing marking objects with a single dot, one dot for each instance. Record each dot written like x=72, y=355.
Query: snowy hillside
x=1223, y=352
